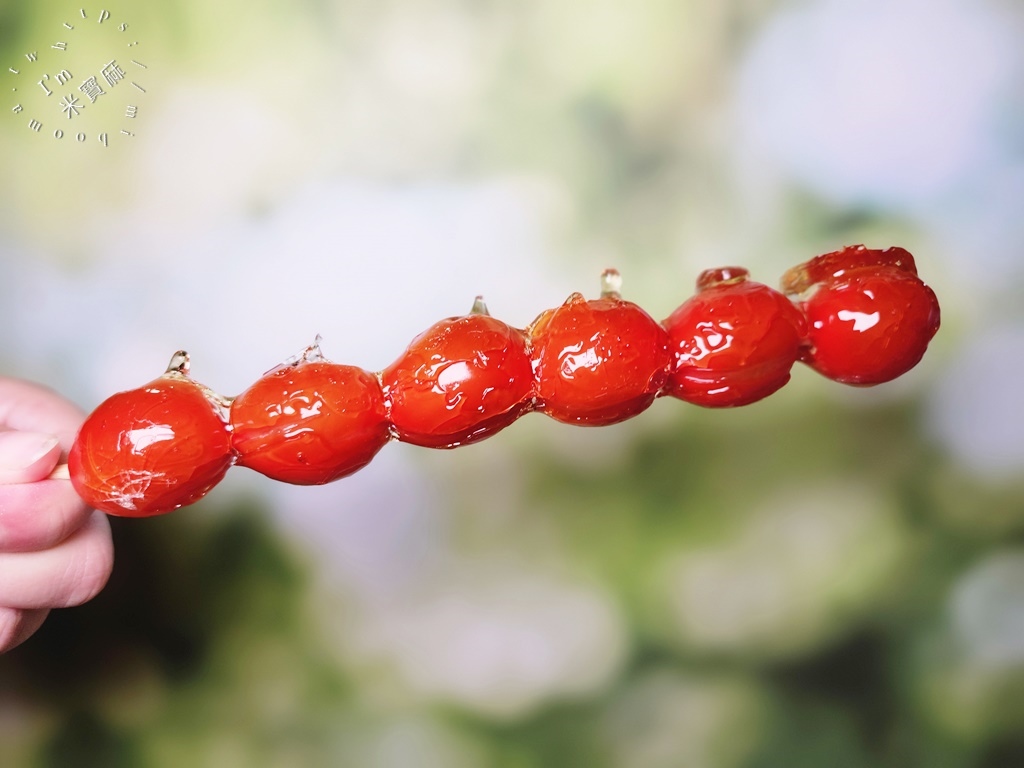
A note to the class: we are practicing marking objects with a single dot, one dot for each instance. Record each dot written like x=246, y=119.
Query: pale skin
x=55, y=552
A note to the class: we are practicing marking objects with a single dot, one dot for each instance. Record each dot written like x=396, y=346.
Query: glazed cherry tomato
x=152, y=450
x=870, y=317
x=597, y=362
x=734, y=342
x=870, y=325
x=460, y=381
x=309, y=422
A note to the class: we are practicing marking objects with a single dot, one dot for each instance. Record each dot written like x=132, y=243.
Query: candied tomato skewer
x=857, y=315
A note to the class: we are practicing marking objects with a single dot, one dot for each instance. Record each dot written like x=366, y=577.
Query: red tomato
x=734, y=342
x=151, y=450
x=459, y=382
x=597, y=362
x=309, y=423
x=869, y=325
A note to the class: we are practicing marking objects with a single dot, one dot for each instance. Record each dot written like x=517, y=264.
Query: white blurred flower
x=877, y=101
x=498, y=642
x=374, y=535
x=987, y=612
x=665, y=719
x=405, y=742
x=805, y=565
x=975, y=411
x=970, y=670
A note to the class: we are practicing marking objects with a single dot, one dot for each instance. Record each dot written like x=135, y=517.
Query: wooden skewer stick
x=60, y=472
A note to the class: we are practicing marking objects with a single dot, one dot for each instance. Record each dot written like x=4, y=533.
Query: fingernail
x=20, y=450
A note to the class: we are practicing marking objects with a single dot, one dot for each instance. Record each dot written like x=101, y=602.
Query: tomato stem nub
x=479, y=307
x=179, y=363
x=611, y=284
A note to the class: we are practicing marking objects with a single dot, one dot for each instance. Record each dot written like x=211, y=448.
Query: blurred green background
x=832, y=577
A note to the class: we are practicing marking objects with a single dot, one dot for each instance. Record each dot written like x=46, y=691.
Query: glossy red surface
x=462, y=380
x=733, y=343
x=869, y=325
x=823, y=268
x=597, y=362
x=309, y=423
x=150, y=450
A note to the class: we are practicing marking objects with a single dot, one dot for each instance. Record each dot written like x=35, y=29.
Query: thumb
x=26, y=457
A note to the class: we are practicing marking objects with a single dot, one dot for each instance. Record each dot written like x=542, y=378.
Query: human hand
x=55, y=552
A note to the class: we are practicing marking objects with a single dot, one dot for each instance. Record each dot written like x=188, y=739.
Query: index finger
x=32, y=407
